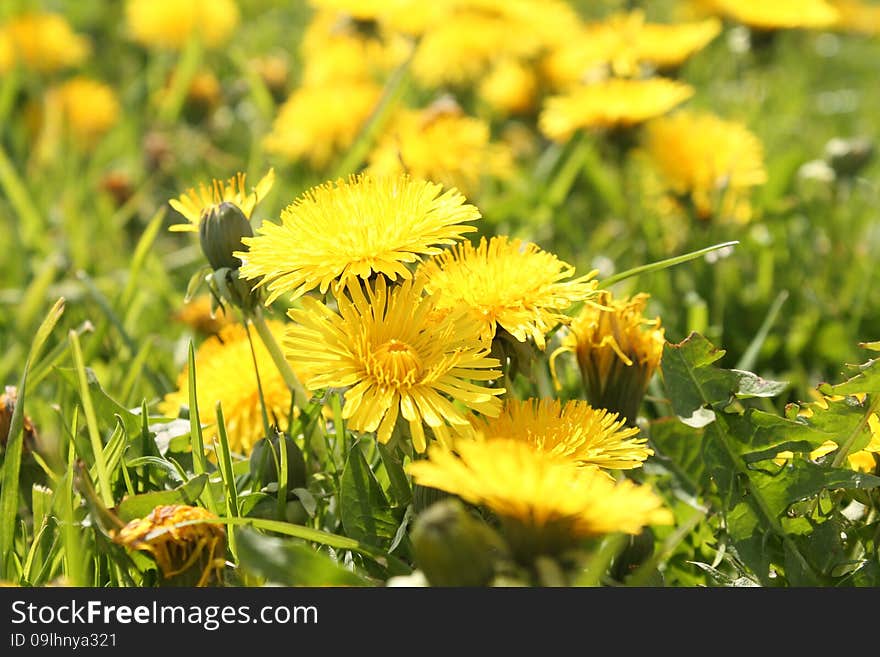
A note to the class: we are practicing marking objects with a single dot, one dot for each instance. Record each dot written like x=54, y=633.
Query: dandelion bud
x=266, y=456
x=618, y=350
x=7, y=407
x=453, y=548
x=221, y=230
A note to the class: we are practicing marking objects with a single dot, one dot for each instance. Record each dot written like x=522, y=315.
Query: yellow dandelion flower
x=625, y=42
x=395, y=357
x=508, y=283
x=225, y=373
x=618, y=350
x=193, y=203
x=169, y=24
x=317, y=122
x=590, y=436
x=704, y=157
x=199, y=314
x=545, y=503
x=463, y=44
x=441, y=144
x=853, y=16
x=610, y=103
x=338, y=231
x=44, y=42
x=7, y=52
x=510, y=87
x=779, y=14
x=87, y=109
x=187, y=554
x=334, y=48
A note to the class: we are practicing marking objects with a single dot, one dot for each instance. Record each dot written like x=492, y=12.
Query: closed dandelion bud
x=221, y=230
x=618, y=349
x=453, y=548
x=266, y=456
x=848, y=156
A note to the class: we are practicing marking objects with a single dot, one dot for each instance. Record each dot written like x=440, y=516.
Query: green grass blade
x=92, y=423
x=662, y=264
x=12, y=457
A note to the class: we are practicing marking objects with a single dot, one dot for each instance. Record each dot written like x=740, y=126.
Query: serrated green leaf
x=290, y=562
x=364, y=509
x=138, y=506
x=867, y=380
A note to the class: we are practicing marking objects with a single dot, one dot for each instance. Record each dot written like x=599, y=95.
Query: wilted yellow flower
x=778, y=14
x=853, y=16
x=462, y=44
x=624, y=42
x=610, y=103
x=546, y=503
x=42, y=42
x=187, y=554
x=338, y=231
x=701, y=156
x=193, y=203
x=510, y=87
x=171, y=23
x=225, y=373
x=590, y=436
x=316, y=122
x=395, y=357
x=618, y=349
x=86, y=108
x=507, y=283
x=441, y=144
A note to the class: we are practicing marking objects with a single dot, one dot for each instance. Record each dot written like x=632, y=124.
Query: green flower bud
x=221, y=230
x=266, y=455
x=453, y=548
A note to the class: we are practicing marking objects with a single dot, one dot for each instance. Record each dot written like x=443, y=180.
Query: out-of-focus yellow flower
x=590, y=436
x=853, y=16
x=711, y=161
x=199, y=314
x=317, y=122
x=336, y=48
x=42, y=42
x=225, y=374
x=463, y=44
x=87, y=109
x=618, y=350
x=187, y=554
x=510, y=87
x=624, y=42
x=508, y=283
x=546, y=503
x=354, y=228
x=7, y=52
x=778, y=14
x=442, y=144
x=193, y=203
x=170, y=24
x=395, y=357
x=615, y=102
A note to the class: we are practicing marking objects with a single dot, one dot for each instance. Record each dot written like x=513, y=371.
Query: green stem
x=846, y=447
x=662, y=264
x=300, y=397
